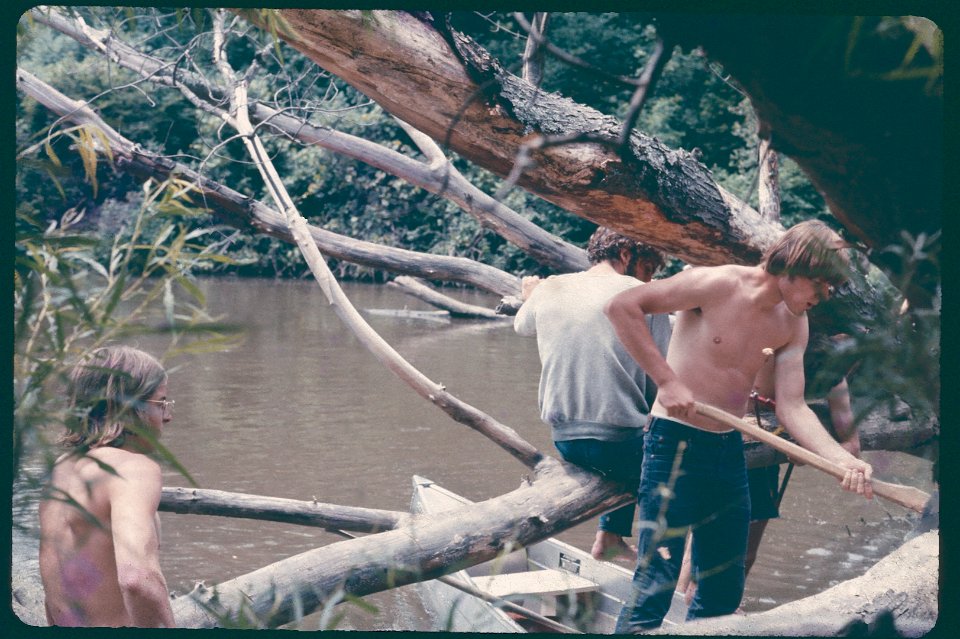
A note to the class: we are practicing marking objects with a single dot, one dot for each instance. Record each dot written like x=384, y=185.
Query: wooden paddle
x=912, y=498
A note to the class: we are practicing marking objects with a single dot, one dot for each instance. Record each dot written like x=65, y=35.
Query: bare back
x=718, y=345
x=78, y=559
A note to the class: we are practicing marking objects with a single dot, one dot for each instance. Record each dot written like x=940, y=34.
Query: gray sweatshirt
x=590, y=387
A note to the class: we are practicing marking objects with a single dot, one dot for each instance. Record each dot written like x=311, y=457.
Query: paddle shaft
x=907, y=496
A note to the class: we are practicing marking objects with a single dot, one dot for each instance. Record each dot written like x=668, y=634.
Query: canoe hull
x=457, y=611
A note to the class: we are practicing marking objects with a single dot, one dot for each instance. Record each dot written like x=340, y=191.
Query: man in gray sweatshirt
x=593, y=395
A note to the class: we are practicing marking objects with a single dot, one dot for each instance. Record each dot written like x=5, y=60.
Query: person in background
x=728, y=318
x=99, y=528
x=765, y=489
x=593, y=395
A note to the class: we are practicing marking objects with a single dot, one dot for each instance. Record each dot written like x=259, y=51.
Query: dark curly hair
x=606, y=244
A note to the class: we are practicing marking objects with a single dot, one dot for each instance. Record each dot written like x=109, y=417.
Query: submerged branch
x=422, y=291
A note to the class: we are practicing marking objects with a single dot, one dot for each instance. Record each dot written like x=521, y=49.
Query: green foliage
x=77, y=287
x=889, y=358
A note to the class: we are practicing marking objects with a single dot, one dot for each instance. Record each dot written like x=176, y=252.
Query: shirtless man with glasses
x=99, y=528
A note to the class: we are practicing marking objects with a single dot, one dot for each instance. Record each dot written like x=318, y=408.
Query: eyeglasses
x=166, y=404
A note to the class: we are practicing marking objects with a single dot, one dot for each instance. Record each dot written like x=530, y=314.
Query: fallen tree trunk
x=421, y=70
x=896, y=597
x=424, y=548
x=427, y=547
x=450, y=88
x=291, y=511
x=419, y=289
x=428, y=76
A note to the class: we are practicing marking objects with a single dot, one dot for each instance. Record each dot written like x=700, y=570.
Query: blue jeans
x=710, y=496
x=619, y=461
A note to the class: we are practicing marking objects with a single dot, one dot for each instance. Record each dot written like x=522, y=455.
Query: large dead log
x=560, y=497
x=896, y=597
x=431, y=77
x=447, y=86
x=408, y=66
x=817, y=83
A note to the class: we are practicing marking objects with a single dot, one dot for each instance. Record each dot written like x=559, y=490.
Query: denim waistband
x=685, y=431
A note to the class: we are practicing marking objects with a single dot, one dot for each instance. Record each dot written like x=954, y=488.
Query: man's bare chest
x=735, y=334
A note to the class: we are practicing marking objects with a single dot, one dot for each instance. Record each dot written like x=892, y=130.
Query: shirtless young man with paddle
x=99, y=530
x=727, y=316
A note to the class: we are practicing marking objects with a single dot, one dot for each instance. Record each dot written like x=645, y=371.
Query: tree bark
x=407, y=65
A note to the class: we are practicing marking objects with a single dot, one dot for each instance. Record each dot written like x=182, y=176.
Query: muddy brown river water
x=299, y=409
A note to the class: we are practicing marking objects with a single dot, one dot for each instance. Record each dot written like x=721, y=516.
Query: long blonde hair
x=107, y=393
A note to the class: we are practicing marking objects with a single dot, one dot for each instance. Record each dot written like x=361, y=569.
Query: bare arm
x=627, y=313
x=134, y=498
x=802, y=423
x=841, y=416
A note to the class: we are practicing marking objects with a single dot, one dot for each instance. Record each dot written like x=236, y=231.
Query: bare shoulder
x=712, y=281
x=127, y=467
x=731, y=274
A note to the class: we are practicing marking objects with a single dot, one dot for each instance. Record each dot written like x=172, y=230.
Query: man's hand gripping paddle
x=912, y=498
